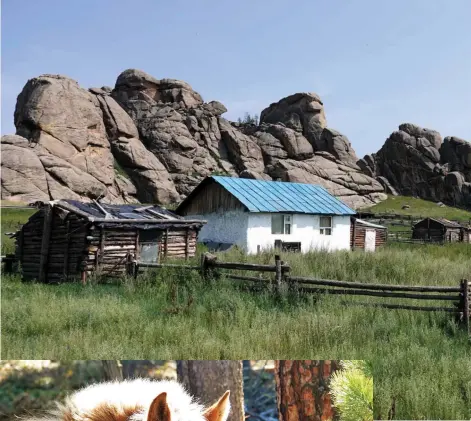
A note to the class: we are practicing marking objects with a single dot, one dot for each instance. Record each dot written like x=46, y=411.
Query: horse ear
x=220, y=410
x=159, y=410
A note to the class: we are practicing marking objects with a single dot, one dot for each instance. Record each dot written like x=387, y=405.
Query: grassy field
x=419, y=207
x=422, y=361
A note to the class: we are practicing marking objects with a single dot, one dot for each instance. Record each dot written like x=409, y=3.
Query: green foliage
x=248, y=119
x=352, y=391
x=419, y=207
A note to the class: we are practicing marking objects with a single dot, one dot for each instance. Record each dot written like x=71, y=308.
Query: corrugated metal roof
x=369, y=224
x=277, y=196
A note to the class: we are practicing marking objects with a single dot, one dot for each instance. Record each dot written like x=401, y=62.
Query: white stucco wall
x=224, y=227
x=305, y=229
x=250, y=230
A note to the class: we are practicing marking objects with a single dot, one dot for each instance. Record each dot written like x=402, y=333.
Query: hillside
x=418, y=207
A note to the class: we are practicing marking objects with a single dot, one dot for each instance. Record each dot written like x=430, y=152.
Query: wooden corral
x=67, y=239
x=361, y=230
x=439, y=230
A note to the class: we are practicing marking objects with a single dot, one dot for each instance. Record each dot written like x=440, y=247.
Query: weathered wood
x=278, y=271
x=378, y=294
x=167, y=265
x=187, y=245
x=465, y=284
x=166, y=243
x=247, y=278
x=382, y=287
x=83, y=277
x=404, y=307
x=48, y=214
x=102, y=241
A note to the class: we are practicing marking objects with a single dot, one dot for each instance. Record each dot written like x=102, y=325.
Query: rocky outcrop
x=141, y=166
x=416, y=162
x=154, y=140
x=61, y=130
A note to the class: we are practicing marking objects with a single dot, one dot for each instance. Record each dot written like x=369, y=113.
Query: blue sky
x=375, y=64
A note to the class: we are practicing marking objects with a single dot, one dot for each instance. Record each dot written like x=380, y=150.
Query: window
x=149, y=245
x=281, y=224
x=326, y=225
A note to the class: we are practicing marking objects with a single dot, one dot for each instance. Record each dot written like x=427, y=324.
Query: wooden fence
x=458, y=297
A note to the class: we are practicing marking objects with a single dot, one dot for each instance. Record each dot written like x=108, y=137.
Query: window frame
x=287, y=220
x=326, y=229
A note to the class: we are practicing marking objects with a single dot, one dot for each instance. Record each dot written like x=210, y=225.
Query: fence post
x=203, y=266
x=278, y=272
x=285, y=269
x=130, y=265
x=465, y=301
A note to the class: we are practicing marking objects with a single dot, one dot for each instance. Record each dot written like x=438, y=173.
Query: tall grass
x=12, y=220
x=420, y=360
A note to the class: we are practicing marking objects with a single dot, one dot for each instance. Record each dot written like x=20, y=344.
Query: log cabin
x=366, y=235
x=68, y=239
x=438, y=230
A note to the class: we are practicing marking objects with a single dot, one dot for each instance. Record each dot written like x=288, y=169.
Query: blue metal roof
x=277, y=196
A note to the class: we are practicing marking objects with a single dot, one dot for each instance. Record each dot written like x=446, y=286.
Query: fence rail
x=459, y=296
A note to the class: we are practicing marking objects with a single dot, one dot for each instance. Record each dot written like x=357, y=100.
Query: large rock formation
x=416, y=162
x=154, y=140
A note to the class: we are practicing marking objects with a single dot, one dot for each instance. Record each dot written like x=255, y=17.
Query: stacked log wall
x=28, y=248
x=178, y=243
x=107, y=249
x=66, y=248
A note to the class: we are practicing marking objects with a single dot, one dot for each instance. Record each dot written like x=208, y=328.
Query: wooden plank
x=66, y=251
x=166, y=243
x=247, y=278
x=243, y=266
x=278, y=271
x=466, y=304
x=187, y=240
x=165, y=265
x=382, y=287
x=102, y=241
x=47, y=226
x=405, y=307
x=136, y=245
x=378, y=294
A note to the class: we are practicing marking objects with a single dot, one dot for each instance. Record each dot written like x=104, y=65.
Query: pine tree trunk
x=302, y=388
x=112, y=370
x=208, y=380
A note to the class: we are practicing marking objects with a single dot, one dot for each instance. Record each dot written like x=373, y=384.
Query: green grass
x=421, y=360
x=12, y=219
x=419, y=207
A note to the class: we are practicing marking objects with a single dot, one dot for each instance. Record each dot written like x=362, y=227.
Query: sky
x=375, y=64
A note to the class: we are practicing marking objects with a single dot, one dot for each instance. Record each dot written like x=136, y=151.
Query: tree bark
x=302, y=389
x=208, y=380
x=112, y=370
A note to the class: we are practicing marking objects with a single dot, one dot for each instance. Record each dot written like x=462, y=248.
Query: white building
x=259, y=214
